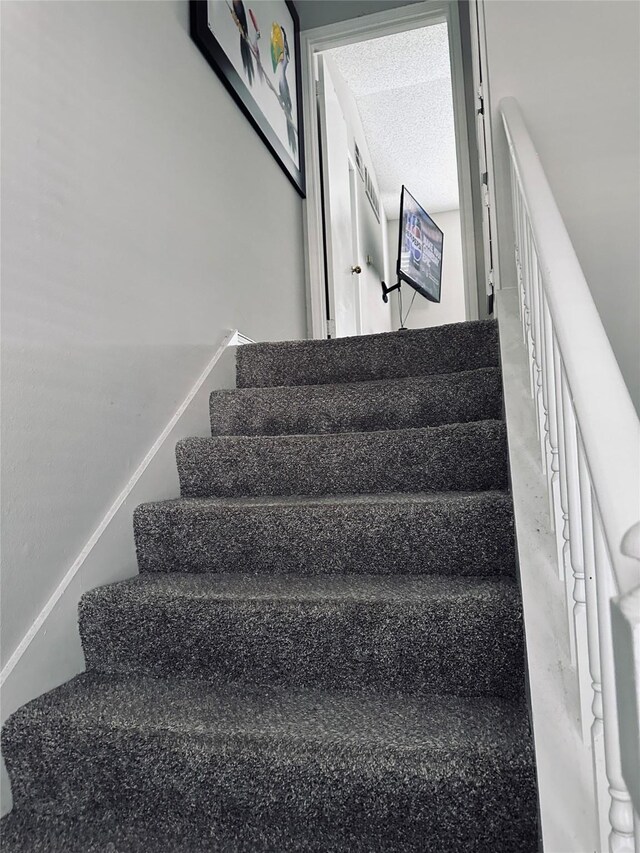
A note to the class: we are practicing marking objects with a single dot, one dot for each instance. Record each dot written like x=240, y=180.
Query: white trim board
x=380, y=24
x=50, y=652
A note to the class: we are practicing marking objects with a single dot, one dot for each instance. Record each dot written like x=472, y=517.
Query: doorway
x=347, y=201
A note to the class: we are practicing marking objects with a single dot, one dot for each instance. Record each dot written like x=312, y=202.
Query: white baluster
x=591, y=598
x=534, y=290
x=525, y=250
x=546, y=356
x=562, y=531
x=576, y=545
x=515, y=200
x=621, y=818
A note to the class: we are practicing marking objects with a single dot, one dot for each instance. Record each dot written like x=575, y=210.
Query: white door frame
x=482, y=100
x=389, y=22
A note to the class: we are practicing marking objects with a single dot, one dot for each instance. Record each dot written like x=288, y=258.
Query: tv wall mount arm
x=387, y=290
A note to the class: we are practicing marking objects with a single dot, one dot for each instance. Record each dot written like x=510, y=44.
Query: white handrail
x=606, y=417
x=590, y=452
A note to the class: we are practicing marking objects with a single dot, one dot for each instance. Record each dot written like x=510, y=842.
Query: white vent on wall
x=358, y=160
x=371, y=193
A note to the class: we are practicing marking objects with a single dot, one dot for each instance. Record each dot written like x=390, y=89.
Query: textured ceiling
x=402, y=87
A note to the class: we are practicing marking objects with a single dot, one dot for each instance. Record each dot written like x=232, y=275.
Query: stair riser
x=456, y=398
x=442, y=349
x=461, y=646
x=466, y=457
x=326, y=807
x=407, y=537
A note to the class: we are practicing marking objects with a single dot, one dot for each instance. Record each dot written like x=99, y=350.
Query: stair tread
x=408, y=727
x=414, y=633
x=405, y=382
x=352, y=406
x=409, y=383
x=292, y=501
x=468, y=533
x=328, y=438
x=306, y=767
x=468, y=456
x=125, y=830
x=403, y=338
x=409, y=590
x=414, y=352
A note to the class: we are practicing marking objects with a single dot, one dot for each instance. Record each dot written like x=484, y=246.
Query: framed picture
x=254, y=47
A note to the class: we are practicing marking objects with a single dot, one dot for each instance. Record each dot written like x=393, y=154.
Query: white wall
x=375, y=314
x=575, y=69
x=318, y=13
x=451, y=308
x=141, y=217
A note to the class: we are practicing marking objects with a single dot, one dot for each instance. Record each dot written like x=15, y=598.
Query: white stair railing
x=590, y=451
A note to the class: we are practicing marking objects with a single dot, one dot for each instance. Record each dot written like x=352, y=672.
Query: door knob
x=357, y=269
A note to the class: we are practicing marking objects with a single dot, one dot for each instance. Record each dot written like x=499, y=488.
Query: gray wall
x=575, y=69
x=317, y=13
x=142, y=216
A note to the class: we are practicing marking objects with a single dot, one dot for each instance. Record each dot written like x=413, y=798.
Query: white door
x=342, y=281
x=357, y=260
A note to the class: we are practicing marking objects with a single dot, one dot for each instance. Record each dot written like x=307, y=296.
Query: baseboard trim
x=233, y=338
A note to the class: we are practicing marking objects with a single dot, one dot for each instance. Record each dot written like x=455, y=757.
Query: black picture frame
x=215, y=55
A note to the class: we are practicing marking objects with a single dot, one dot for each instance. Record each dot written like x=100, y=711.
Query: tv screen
x=420, y=249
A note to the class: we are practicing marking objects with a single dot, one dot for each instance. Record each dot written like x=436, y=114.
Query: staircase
x=323, y=650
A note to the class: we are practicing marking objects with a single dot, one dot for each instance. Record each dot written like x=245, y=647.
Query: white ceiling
x=402, y=87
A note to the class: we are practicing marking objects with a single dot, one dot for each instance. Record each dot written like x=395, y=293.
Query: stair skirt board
x=323, y=650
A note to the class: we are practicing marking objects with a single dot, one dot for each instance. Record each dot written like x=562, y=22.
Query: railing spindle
x=526, y=290
x=536, y=337
x=550, y=436
x=576, y=540
x=562, y=531
x=515, y=201
x=591, y=598
x=621, y=839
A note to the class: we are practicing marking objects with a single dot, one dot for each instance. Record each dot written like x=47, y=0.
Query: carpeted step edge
x=439, y=349
x=455, y=457
x=358, y=407
x=386, y=795
x=449, y=533
x=415, y=635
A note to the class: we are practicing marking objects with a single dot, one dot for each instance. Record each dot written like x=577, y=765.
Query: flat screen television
x=420, y=248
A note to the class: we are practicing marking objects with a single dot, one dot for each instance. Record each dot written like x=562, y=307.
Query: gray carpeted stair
x=363, y=772
x=414, y=352
x=323, y=650
x=418, y=634
x=470, y=395
x=470, y=456
x=384, y=534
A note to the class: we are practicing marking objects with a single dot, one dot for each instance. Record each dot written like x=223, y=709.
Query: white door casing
x=483, y=133
x=312, y=43
x=342, y=283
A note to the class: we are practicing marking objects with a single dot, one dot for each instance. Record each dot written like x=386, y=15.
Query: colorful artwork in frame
x=254, y=47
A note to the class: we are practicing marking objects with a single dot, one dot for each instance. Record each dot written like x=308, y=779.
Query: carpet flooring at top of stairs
x=323, y=651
